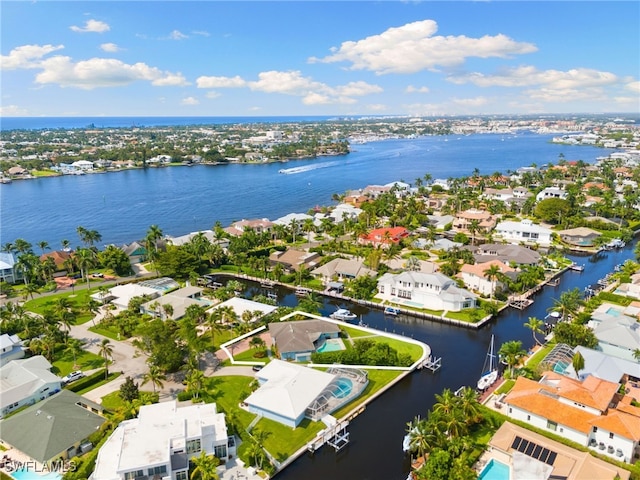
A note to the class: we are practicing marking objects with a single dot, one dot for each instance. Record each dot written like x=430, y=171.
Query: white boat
x=490, y=369
x=406, y=443
x=302, y=291
x=391, y=311
x=344, y=315
x=578, y=268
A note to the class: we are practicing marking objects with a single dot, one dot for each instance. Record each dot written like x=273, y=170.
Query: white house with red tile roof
x=590, y=413
x=475, y=277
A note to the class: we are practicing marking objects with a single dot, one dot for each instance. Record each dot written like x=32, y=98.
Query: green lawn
x=112, y=376
x=63, y=362
x=248, y=356
x=78, y=299
x=109, y=332
x=228, y=392
x=415, y=351
x=377, y=380
x=284, y=441
x=505, y=387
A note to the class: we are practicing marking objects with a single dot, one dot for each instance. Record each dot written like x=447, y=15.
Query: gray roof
x=299, y=336
x=622, y=331
x=604, y=366
x=19, y=379
x=341, y=266
x=50, y=427
x=506, y=253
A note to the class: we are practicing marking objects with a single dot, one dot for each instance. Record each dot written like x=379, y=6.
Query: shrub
x=87, y=381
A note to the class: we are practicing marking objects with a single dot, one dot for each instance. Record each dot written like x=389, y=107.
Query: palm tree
x=578, y=363
x=43, y=246
x=205, y=467
x=155, y=376
x=512, y=353
x=535, y=324
x=85, y=259
x=153, y=235
x=469, y=406
x=195, y=382
x=636, y=352
x=568, y=304
x=492, y=274
x=74, y=347
x=106, y=352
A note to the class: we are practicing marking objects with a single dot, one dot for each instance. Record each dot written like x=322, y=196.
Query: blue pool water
x=494, y=470
x=560, y=367
x=614, y=312
x=344, y=387
x=26, y=474
x=331, y=345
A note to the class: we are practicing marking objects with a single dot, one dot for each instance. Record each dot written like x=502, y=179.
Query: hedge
x=87, y=381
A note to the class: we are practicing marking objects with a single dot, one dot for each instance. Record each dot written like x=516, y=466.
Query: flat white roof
x=288, y=389
x=241, y=305
x=124, y=293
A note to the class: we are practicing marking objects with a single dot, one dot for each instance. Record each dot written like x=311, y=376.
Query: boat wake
x=306, y=168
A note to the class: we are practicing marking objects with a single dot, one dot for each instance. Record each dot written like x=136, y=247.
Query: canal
x=375, y=449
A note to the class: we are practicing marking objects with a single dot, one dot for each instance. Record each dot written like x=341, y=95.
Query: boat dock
x=335, y=435
x=520, y=302
x=431, y=363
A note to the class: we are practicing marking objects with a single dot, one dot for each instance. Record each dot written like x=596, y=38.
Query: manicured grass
x=248, y=356
x=109, y=332
x=63, y=363
x=113, y=402
x=228, y=392
x=414, y=351
x=284, y=441
x=505, y=387
x=534, y=361
x=78, y=300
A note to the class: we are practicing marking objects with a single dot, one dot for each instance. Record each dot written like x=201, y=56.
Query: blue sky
x=239, y=58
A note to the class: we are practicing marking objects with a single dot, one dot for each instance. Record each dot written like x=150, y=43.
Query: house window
x=595, y=429
x=220, y=451
x=133, y=475
x=510, y=410
x=161, y=470
x=552, y=425
x=181, y=475
x=528, y=417
x=193, y=446
x=611, y=435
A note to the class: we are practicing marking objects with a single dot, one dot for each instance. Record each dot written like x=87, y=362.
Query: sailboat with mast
x=489, y=369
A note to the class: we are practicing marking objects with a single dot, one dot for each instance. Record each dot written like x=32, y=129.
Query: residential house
x=210, y=235
x=286, y=391
x=441, y=182
x=509, y=253
x=524, y=231
x=607, y=367
x=630, y=289
x=344, y=210
x=590, y=413
x=440, y=222
x=374, y=191
x=259, y=225
x=433, y=291
x=551, y=192
x=161, y=442
x=178, y=301
x=294, y=219
x=59, y=257
x=25, y=382
x=9, y=270
x=242, y=305
x=485, y=221
x=293, y=260
x=580, y=237
x=136, y=252
x=121, y=295
x=10, y=348
x=56, y=428
x=500, y=194
x=384, y=237
x=617, y=329
x=296, y=341
x=475, y=277
x=532, y=456
x=342, y=269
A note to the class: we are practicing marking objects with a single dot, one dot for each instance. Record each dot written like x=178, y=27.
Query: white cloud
x=110, y=47
x=412, y=89
x=631, y=101
x=202, y=33
x=295, y=84
x=220, y=82
x=565, y=95
x=414, y=47
x=633, y=86
x=93, y=26
x=529, y=76
x=470, y=102
x=212, y=94
x=177, y=35
x=13, y=111
x=26, y=56
x=102, y=72
x=189, y=101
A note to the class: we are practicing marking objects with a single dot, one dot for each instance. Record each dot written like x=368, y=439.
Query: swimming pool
x=614, y=312
x=331, y=345
x=27, y=474
x=343, y=387
x=494, y=470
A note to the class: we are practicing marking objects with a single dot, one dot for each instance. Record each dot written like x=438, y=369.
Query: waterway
x=122, y=205
x=375, y=451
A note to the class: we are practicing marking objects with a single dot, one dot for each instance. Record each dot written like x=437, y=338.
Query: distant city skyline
x=210, y=58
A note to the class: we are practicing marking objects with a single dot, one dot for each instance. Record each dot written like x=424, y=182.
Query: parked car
x=256, y=368
x=72, y=377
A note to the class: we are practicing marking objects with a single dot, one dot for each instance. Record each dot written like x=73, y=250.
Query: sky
x=308, y=58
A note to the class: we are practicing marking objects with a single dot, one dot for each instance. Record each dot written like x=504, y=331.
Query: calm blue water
x=122, y=205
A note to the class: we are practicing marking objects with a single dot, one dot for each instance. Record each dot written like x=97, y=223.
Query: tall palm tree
x=155, y=376
x=85, y=259
x=492, y=274
x=106, y=352
x=195, y=382
x=205, y=467
x=74, y=347
x=578, y=363
x=44, y=245
x=568, y=304
x=153, y=235
x=512, y=353
x=535, y=325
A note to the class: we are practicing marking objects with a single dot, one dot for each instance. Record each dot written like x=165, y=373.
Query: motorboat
x=489, y=370
x=344, y=315
x=302, y=291
x=392, y=311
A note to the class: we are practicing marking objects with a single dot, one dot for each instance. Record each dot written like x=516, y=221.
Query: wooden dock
x=520, y=302
x=335, y=435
